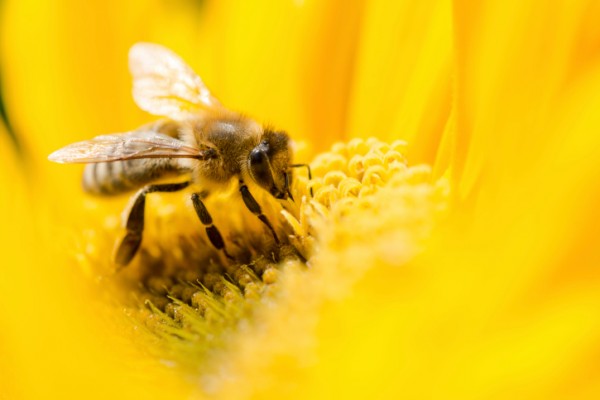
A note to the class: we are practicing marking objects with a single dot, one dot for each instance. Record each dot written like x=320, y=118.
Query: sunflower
x=445, y=247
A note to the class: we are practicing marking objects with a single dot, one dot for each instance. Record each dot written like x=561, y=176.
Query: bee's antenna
x=309, y=173
x=287, y=186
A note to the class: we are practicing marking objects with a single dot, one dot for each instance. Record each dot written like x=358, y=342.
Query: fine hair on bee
x=197, y=137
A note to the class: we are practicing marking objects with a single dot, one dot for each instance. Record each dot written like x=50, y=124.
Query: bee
x=199, y=138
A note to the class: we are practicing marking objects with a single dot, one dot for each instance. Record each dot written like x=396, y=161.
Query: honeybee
x=199, y=137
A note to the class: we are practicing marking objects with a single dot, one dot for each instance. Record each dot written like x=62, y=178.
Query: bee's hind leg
x=211, y=230
x=254, y=207
x=135, y=221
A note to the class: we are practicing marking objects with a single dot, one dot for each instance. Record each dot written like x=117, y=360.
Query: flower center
x=190, y=302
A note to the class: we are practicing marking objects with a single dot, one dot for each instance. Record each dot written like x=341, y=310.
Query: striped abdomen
x=110, y=178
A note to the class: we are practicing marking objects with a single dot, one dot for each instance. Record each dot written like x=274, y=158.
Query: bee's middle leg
x=135, y=220
x=211, y=230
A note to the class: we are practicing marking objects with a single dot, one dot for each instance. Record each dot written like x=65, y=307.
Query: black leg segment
x=135, y=221
x=213, y=233
x=254, y=207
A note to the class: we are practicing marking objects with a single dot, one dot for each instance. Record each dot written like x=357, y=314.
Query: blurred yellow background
x=501, y=97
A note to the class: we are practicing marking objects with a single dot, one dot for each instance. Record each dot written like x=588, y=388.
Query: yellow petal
x=282, y=63
x=67, y=78
x=402, y=78
x=529, y=323
x=15, y=261
x=514, y=61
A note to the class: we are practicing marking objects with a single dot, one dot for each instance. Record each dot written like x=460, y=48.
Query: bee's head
x=269, y=161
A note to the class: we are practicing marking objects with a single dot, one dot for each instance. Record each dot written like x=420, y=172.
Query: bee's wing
x=125, y=146
x=163, y=84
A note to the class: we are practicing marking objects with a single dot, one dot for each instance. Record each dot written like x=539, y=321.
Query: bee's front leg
x=254, y=207
x=135, y=221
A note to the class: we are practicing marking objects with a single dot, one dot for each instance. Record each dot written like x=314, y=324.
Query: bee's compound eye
x=260, y=169
x=259, y=166
x=257, y=157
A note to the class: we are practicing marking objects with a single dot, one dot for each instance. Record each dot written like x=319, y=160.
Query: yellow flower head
x=445, y=247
